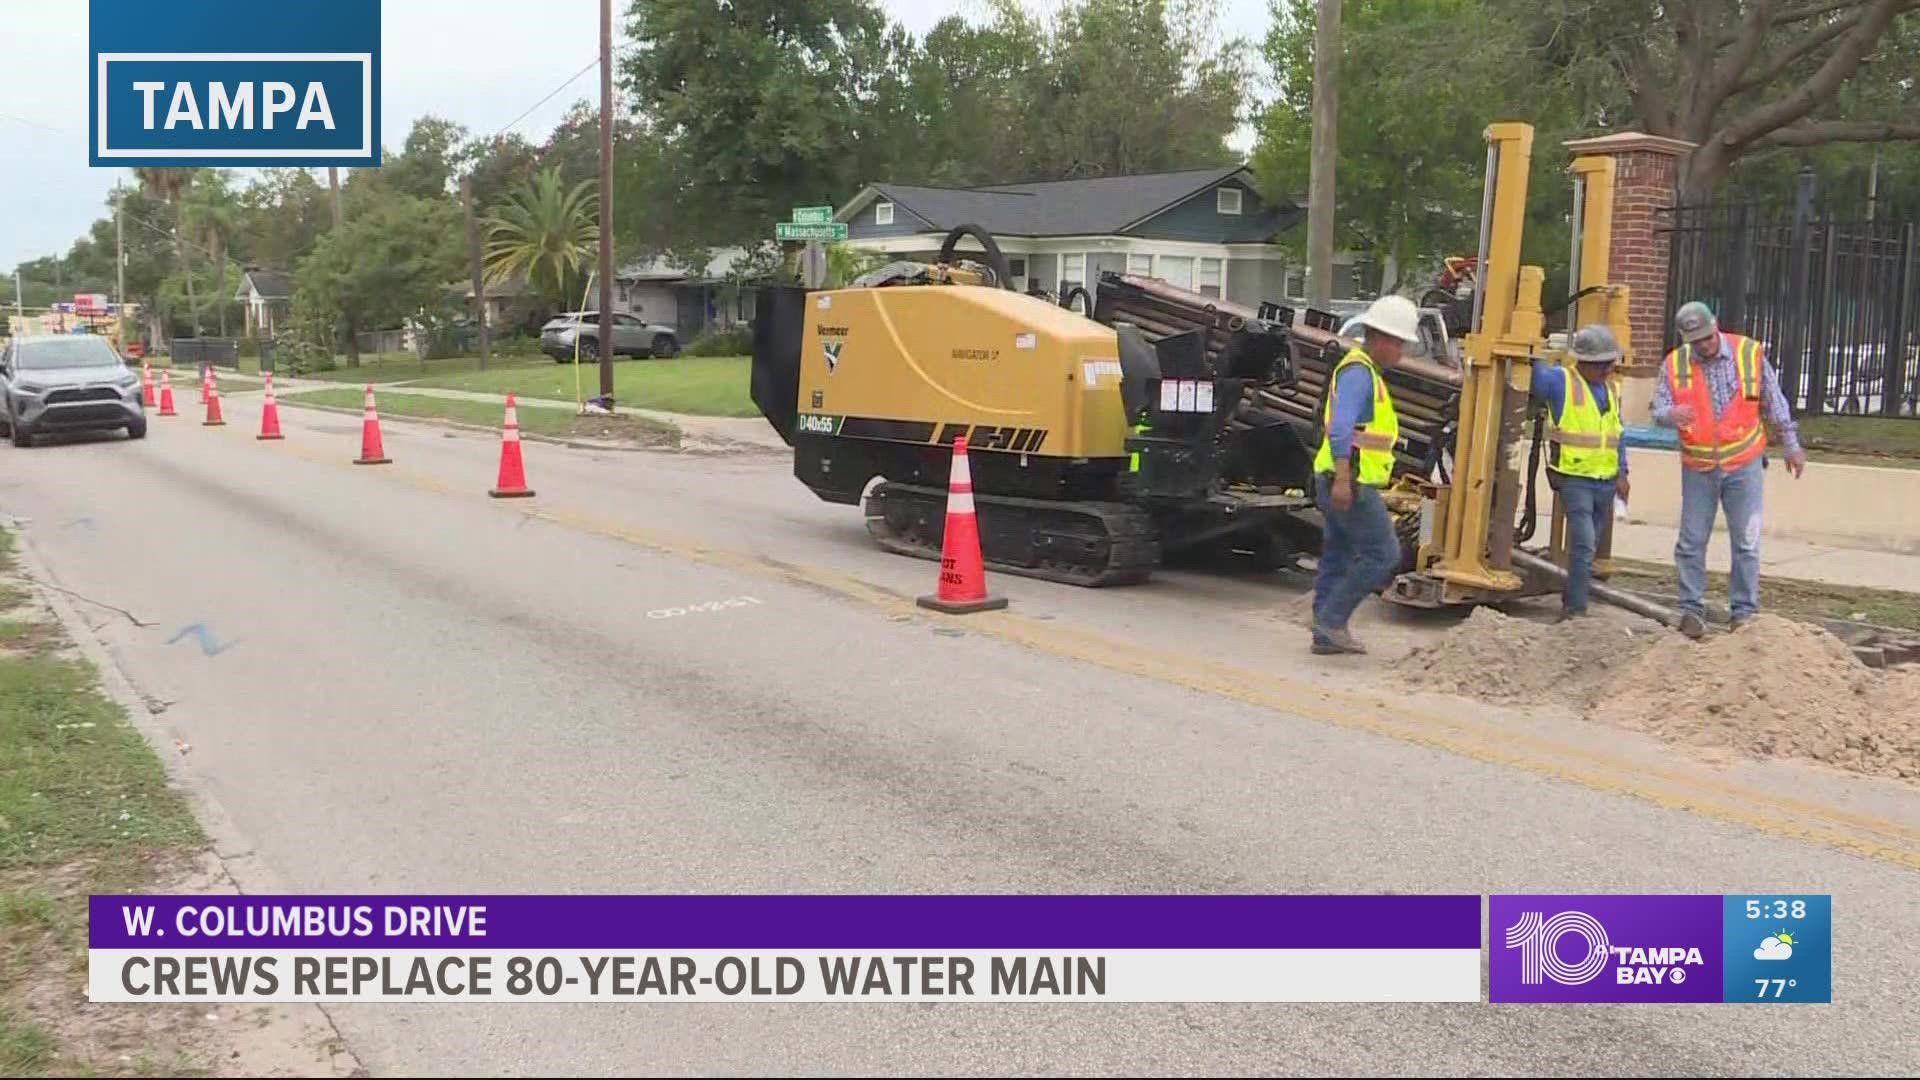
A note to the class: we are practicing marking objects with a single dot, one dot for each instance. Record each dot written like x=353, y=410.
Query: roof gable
x=270, y=284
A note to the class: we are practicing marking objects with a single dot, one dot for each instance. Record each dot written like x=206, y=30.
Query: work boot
x=1568, y=615
x=1693, y=626
x=1739, y=621
x=1344, y=640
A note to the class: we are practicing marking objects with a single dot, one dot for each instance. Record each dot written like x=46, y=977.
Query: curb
x=227, y=843
x=575, y=444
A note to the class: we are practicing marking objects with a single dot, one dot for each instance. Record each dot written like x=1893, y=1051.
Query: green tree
x=1734, y=77
x=1135, y=86
x=210, y=211
x=760, y=104
x=166, y=184
x=282, y=213
x=499, y=166
x=546, y=232
x=1419, y=82
x=384, y=266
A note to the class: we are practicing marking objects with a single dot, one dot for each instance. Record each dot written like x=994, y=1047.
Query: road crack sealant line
x=1671, y=788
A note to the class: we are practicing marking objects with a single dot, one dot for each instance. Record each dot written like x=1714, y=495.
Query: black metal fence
x=1836, y=298
x=196, y=352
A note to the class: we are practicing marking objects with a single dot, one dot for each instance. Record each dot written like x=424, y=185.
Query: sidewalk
x=1779, y=557
x=734, y=431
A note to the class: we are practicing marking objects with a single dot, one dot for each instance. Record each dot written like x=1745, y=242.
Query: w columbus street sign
x=234, y=83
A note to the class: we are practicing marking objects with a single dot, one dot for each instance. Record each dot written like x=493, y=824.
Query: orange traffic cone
x=963, y=576
x=270, y=415
x=214, y=419
x=206, y=384
x=166, y=395
x=146, y=385
x=513, y=471
x=372, y=450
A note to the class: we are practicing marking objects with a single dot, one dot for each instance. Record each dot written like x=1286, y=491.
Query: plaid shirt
x=1723, y=380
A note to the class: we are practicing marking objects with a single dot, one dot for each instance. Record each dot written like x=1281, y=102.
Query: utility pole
x=606, y=201
x=473, y=265
x=1326, y=147
x=333, y=185
x=120, y=265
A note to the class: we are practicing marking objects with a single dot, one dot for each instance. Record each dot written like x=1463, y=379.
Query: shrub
x=735, y=342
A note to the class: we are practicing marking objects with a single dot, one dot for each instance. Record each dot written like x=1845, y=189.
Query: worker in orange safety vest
x=1720, y=393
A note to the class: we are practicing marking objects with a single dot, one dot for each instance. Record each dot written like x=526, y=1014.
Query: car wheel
x=665, y=347
x=137, y=429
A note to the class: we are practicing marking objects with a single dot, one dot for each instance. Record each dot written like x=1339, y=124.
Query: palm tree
x=213, y=212
x=166, y=184
x=544, y=231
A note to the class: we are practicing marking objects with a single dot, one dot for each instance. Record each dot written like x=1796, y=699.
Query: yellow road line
x=1663, y=786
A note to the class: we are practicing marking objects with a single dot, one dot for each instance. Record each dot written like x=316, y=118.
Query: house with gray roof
x=268, y=296
x=1208, y=230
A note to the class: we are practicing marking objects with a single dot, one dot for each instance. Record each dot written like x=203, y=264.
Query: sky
x=440, y=57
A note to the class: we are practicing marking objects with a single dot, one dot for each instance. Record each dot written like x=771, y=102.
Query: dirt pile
x=1778, y=688
x=1500, y=658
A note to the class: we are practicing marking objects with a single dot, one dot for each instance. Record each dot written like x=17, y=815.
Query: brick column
x=1646, y=175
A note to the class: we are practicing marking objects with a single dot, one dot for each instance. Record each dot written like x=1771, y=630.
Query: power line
x=571, y=79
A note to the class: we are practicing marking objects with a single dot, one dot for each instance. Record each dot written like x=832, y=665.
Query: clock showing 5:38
x=1776, y=908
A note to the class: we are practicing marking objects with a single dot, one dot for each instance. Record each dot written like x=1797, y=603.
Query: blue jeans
x=1701, y=495
x=1358, y=553
x=1587, y=503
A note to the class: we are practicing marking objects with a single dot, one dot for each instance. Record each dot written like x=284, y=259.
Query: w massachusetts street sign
x=234, y=83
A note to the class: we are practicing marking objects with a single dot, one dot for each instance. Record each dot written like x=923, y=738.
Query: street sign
x=832, y=230
x=813, y=215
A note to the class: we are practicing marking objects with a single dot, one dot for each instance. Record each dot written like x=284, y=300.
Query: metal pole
x=1574, y=283
x=1326, y=144
x=1486, y=236
x=119, y=256
x=1526, y=560
x=473, y=266
x=606, y=200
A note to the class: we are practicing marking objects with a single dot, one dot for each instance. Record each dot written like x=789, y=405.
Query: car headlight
x=128, y=381
x=28, y=389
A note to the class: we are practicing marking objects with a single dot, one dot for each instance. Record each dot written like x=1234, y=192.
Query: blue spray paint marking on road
x=86, y=522
x=207, y=645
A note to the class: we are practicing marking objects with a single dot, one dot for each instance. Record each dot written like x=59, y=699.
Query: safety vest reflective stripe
x=1564, y=437
x=1712, y=455
x=1374, y=441
x=1748, y=359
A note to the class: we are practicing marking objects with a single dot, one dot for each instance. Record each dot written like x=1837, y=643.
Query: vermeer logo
x=832, y=349
x=222, y=82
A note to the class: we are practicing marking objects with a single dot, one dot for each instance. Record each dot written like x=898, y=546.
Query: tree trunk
x=1701, y=171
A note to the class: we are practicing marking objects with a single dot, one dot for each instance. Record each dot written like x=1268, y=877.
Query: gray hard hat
x=1594, y=343
x=1695, y=320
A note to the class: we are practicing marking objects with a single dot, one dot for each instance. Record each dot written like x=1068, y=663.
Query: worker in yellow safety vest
x=1586, y=460
x=1359, y=552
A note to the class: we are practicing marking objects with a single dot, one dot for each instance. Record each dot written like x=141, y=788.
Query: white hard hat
x=1394, y=316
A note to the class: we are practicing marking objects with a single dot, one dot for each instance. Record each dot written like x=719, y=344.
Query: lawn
x=85, y=807
x=1794, y=598
x=697, y=385
x=1862, y=437
x=534, y=419
x=406, y=366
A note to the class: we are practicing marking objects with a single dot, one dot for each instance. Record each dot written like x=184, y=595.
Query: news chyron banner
x=1741, y=948
x=1758, y=949
x=785, y=948
x=233, y=83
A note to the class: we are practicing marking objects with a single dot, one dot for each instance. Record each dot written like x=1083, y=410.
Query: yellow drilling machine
x=1169, y=422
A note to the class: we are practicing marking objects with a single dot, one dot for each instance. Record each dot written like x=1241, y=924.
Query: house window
x=1073, y=268
x=883, y=213
x=1227, y=200
x=1177, y=270
x=1017, y=270
x=1141, y=265
x=1210, y=271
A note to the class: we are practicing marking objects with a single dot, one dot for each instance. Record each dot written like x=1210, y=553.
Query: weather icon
x=1776, y=947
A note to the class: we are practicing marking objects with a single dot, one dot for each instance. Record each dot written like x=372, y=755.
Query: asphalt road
x=402, y=685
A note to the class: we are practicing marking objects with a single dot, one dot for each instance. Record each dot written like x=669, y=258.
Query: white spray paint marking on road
x=704, y=607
